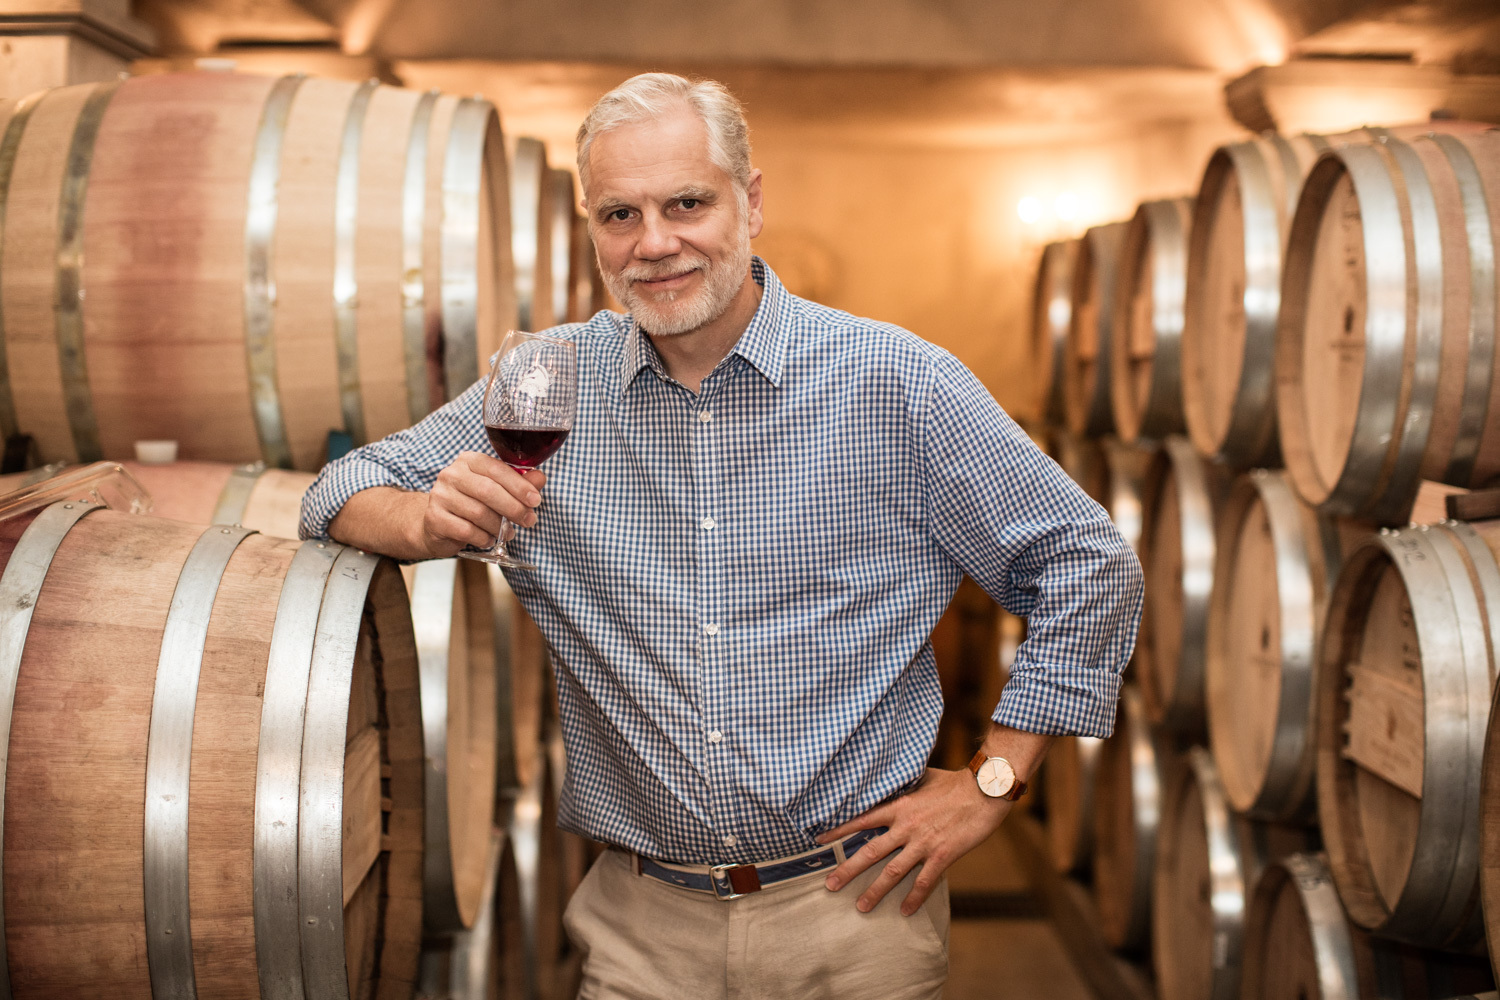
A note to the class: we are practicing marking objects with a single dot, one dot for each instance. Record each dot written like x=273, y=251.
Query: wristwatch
x=996, y=777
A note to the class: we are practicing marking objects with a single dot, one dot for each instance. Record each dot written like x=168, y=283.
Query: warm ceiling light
x=1030, y=209
x=1067, y=206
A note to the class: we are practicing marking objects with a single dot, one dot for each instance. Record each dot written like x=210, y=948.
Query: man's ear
x=755, y=201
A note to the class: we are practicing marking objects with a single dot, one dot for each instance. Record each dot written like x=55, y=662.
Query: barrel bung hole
x=1348, y=320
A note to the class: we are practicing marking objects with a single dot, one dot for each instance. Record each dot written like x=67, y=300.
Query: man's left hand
x=944, y=818
x=941, y=820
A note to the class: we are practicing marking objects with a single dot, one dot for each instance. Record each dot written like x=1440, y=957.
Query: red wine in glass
x=530, y=402
x=526, y=447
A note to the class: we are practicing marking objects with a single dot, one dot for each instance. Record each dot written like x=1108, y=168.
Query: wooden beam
x=1071, y=911
x=1480, y=505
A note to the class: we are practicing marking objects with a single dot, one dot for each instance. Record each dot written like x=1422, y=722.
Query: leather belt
x=733, y=881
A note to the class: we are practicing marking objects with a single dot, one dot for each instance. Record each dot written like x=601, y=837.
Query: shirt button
x=711, y=628
x=731, y=840
x=708, y=524
x=704, y=416
x=715, y=736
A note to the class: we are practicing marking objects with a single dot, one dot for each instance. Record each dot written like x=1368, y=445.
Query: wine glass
x=529, y=404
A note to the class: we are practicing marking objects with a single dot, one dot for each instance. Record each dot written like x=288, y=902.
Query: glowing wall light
x=1030, y=209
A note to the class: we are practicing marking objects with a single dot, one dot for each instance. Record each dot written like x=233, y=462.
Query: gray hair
x=649, y=95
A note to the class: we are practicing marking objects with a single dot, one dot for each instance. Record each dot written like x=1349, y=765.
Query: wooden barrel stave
x=483, y=962
x=1087, y=347
x=1180, y=496
x=1051, y=314
x=531, y=238
x=1403, y=705
x=1300, y=946
x=1127, y=810
x=197, y=189
x=1146, y=373
x=85, y=932
x=1271, y=579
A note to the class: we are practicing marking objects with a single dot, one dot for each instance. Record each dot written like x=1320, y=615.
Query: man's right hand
x=469, y=499
x=463, y=509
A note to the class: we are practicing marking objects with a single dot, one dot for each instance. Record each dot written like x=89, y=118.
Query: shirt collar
x=763, y=344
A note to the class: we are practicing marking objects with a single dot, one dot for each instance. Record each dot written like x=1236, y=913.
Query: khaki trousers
x=642, y=939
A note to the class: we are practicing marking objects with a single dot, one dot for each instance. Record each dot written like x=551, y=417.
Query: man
x=760, y=515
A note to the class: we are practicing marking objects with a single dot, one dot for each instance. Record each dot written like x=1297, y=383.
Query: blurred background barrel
x=1068, y=789
x=1051, y=315
x=1127, y=809
x=248, y=764
x=1240, y=218
x=1299, y=946
x=1403, y=703
x=1271, y=579
x=1207, y=863
x=364, y=229
x=1086, y=349
x=1180, y=498
x=1386, y=370
x=1146, y=368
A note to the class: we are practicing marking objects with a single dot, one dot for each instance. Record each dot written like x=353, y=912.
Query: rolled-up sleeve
x=1027, y=534
x=408, y=460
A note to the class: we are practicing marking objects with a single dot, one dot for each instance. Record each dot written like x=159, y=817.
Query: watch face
x=996, y=777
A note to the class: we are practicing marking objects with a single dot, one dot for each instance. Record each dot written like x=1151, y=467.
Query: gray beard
x=668, y=317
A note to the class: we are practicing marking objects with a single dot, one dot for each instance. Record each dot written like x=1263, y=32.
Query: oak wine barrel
x=1086, y=349
x=1271, y=579
x=1083, y=459
x=1051, y=314
x=214, y=778
x=1403, y=702
x=1207, y=863
x=1386, y=362
x=1180, y=497
x=241, y=263
x=556, y=273
x=1127, y=809
x=1300, y=946
x=588, y=294
x=1240, y=218
x=531, y=233
x=483, y=962
x=1111, y=473
x=1146, y=368
x=1068, y=789
x=536, y=841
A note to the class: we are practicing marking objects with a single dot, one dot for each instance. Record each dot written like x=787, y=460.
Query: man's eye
x=689, y=203
x=620, y=214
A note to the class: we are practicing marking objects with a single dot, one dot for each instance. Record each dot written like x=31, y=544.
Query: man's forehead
x=661, y=158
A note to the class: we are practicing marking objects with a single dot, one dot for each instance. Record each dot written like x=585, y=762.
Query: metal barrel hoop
x=320, y=809
x=69, y=294
x=413, y=274
x=1163, y=410
x=345, y=273
x=1228, y=880
x=1252, y=425
x=234, y=498
x=278, y=773
x=1483, y=314
x=463, y=177
x=10, y=145
x=432, y=597
x=1289, y=772
x=260, y=288
x=169, y=756
x=20, y=588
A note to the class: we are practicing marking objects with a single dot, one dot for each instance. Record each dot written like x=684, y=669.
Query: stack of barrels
x=240, y=763
x=1301, y=797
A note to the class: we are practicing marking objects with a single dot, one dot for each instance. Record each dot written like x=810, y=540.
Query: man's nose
x=658, y=240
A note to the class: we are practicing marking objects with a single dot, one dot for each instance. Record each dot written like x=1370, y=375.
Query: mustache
x=663, y=270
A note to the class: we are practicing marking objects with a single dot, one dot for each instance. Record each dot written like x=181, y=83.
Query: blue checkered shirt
x=738, y=586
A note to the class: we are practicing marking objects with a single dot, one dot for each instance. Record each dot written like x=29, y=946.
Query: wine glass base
x=498, y=559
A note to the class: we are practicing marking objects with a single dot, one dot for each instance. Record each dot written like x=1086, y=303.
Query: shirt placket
x=707, y=455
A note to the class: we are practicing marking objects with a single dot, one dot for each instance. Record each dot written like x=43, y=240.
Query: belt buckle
x=719, y=877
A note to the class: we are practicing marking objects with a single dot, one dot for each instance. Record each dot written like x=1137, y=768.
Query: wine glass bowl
x=529, y=404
